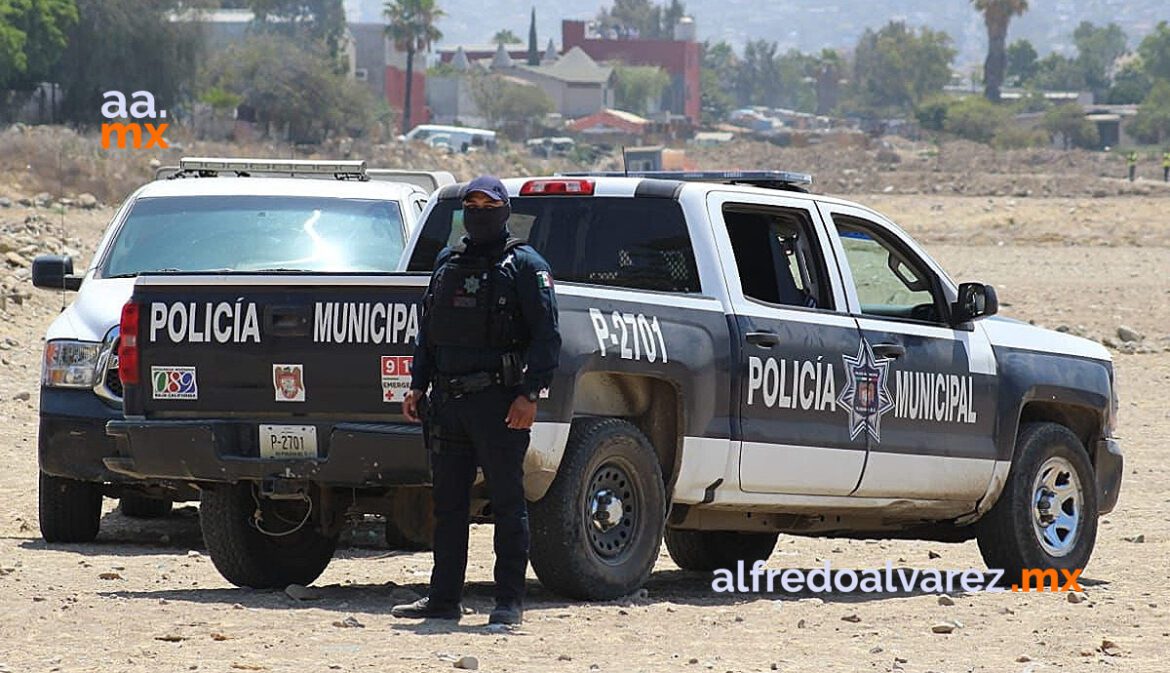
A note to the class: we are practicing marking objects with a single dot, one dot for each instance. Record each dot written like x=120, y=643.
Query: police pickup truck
x=741, y=358
x=265, y=215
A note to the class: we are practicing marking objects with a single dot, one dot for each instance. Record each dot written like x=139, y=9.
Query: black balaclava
x=486, y=225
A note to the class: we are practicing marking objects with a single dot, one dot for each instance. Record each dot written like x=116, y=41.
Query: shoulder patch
x=544, y=280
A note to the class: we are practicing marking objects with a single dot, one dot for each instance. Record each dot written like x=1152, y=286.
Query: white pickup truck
x=740, y=359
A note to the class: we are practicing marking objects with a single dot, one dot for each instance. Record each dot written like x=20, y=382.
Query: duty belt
x=457, y=386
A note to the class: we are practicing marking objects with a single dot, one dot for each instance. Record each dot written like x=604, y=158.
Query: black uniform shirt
x=528, y=278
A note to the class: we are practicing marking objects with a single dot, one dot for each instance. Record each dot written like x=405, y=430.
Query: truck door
x=930, y=386
x=789, y=334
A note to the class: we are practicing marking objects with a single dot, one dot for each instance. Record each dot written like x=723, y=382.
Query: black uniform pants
x=469, y=431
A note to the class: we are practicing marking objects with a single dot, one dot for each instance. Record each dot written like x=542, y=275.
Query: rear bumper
x=1109, y=465
x=349, y=454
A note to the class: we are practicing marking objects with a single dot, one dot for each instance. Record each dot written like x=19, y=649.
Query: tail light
x=559, y=186
x=128, y=346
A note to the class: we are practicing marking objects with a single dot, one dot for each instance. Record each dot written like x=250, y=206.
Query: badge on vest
x=544, y=280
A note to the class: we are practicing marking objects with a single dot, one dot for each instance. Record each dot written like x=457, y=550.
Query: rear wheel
x=714, y=549
x=145, y=507
x=596, y=533
x=1046, y=516
x=70, y=510
x=261, y=543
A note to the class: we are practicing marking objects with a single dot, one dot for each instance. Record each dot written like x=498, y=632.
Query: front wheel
x=1046, y=516
x=260, y=543
x=596, y=533
x=70, y=510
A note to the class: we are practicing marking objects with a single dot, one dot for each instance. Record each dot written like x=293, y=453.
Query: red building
x=396, y=90
x=680, y=58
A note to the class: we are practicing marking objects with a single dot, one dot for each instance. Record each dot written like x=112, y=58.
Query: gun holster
x=512, y=370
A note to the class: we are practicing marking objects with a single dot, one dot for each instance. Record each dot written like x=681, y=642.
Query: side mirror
x=54, y=272
x=976, y=300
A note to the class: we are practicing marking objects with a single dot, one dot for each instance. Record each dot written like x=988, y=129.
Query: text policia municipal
x=812, y=386
x=238, y=322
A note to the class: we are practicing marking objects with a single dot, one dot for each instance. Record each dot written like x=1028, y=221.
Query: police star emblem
x=471, y=285
x=866, y=395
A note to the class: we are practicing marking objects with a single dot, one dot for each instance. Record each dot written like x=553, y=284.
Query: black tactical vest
x=473, y=304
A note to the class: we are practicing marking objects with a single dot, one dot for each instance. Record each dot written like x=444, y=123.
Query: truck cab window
x=890, y=282
x=777, y=256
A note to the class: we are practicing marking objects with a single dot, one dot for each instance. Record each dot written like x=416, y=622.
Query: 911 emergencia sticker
x=395, y=377
x=173, y=383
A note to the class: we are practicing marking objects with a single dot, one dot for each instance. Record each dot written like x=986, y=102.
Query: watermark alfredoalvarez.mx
x=886, y=580
x=144, y=135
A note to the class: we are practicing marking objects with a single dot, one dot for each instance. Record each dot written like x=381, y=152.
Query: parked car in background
x=459, y=138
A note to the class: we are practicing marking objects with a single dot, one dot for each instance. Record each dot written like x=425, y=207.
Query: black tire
x=410, y=526
x=248, y=558
x=571, y=553
x=1008, y=537
x=712, y=549
x=144, y=507
x=70, y=510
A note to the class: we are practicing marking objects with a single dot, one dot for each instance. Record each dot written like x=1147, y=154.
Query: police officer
x=1131, y=161
x=487, y=346
x=1166, y=166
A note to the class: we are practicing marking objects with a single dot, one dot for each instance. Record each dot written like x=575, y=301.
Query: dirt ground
x=1088, y=264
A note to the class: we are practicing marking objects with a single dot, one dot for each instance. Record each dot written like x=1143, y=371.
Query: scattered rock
x=1023, y=659
x=22, y=396
x=933, y=554
x=467, y=663
x=1076, y=597
x=5, y=202
x=876, y=650
x=171, y=638
x=851, y=618
x=14, y=259
x=1136, y=539
x=237, y=606
x=219, y=637
x=564, y=657
x=1129, y=334
x=349, y=622
x=301, y=593
x=193, y=554
x=945, y=600
x=1110, y=648
x=800, y=624
x=87, y=201
x=943, y=627
x=109, y=576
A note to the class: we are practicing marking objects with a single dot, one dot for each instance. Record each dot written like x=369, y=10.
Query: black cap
x=488, y=185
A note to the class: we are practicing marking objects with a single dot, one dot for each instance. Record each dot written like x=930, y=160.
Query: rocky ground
x=145, y=597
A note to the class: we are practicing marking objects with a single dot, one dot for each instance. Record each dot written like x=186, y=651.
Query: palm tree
x=411, y=25
x=997, y=14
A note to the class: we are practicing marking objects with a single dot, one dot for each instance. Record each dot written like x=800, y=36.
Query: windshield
x=255, y=233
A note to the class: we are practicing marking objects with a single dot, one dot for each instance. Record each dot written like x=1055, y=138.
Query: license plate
x=288, y=441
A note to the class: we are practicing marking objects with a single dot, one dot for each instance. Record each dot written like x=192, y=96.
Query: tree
x=827, y=71
x=1021, y=62
x=896, y=67
x=1155, y=52
x=976, y=118
x=33, y=35
x=1069, y=123
x=505, y=101
x=642, y=18
x=292, y=86
x=997, y=14
x=717, y=80
x=1152, y=123
x=533, y=47
x=505, y=36
x=127, y=45
x=637, y=86
x=1058, y=73
x=319, y=20
x=411, y=26
x=1097, y=49
x=1131, y=84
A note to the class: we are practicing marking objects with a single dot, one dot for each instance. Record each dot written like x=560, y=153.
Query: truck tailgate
x=281, y=346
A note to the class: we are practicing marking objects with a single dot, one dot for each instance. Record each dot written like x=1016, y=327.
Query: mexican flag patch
x=544, y=280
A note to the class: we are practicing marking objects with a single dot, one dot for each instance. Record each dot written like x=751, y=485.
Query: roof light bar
x=558, y=187
x=728, y=177
x=284, y=166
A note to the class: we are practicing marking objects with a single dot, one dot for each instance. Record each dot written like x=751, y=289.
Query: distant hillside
x=807, y=25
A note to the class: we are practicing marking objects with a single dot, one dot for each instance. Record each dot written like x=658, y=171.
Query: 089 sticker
x=173, y=383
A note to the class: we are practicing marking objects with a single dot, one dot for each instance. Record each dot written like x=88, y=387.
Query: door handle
x=762, y=339
x=892, y=351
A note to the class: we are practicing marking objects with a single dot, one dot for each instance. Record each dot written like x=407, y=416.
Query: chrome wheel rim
x=1057, y=506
